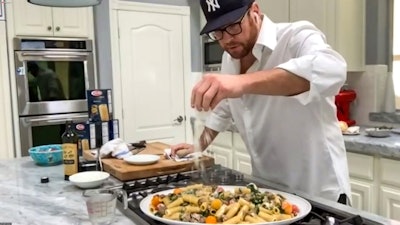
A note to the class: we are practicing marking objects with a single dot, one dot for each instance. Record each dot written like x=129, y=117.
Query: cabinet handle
x=58, y=28
x=49, y=28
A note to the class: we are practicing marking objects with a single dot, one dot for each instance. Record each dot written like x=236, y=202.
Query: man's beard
x=242, y=49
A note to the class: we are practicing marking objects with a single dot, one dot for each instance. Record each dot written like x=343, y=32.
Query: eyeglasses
x=233, y=29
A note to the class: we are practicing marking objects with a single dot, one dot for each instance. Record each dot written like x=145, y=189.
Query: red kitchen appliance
x=343, y=101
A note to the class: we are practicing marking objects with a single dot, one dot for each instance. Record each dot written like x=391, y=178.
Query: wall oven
x=51, y=76
x=212, y=55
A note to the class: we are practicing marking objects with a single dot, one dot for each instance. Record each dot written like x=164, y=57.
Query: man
x=48, y=85
x=278, y=83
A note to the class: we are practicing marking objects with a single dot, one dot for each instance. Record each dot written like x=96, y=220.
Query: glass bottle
x=70, y=150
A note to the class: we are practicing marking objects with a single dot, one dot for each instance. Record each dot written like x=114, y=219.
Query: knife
x=137, y=147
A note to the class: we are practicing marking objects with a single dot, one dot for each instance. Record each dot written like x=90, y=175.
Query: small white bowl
x=89, y=179
x=377, y=132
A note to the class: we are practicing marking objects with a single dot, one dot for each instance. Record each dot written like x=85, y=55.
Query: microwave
x=212, y=55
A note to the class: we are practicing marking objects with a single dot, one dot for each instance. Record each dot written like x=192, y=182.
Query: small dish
x=377, y=132
x=353, y=130
x=89, y=179
x=142, y=159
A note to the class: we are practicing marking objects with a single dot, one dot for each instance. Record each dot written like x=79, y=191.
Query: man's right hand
x=181, y=149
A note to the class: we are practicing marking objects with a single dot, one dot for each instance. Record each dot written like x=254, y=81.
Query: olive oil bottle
x=70, y=150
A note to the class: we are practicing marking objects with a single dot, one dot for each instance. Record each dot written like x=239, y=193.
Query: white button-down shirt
x=293, y=141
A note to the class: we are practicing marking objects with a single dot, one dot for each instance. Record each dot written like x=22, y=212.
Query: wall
x=102, y=30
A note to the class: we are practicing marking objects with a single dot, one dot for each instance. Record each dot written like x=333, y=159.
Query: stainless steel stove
x=321, y=213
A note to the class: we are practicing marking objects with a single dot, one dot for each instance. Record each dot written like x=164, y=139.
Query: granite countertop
x=25, y=200
x=387, y=147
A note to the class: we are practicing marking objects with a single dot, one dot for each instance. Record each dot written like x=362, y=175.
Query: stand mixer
x=343, y=101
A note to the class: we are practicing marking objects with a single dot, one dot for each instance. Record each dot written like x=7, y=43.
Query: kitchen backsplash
x=374, y=89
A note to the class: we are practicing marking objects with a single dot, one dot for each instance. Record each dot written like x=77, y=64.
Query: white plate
x=350, y=133
x=89, y=179
x=303, y=205
x=396, y=130
x=142, y=159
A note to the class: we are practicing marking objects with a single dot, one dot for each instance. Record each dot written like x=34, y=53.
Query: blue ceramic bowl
x=47, y=155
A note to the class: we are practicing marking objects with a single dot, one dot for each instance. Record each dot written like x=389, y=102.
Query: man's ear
x=256, y=17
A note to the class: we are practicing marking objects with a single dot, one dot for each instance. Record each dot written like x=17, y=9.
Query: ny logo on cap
x=212, y=5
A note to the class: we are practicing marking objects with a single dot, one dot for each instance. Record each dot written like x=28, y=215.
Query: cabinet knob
x=58, y=28
x=49, y=28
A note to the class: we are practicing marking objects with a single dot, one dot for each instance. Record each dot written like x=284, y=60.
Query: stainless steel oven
x=212, y=55
x=45, y=129
x=52, y=76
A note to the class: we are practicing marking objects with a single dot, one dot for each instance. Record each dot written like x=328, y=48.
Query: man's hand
x=207, y=93
x=181, y=149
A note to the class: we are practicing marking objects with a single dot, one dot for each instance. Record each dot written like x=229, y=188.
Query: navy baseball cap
x=220, y=13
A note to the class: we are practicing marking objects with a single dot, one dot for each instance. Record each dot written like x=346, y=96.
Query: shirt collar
x=266, y=37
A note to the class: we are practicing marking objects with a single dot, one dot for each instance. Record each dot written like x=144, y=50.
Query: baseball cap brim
x=224, y=20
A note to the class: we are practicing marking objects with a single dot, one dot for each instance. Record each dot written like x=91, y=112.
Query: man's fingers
x=209, y=96
x=198, y=94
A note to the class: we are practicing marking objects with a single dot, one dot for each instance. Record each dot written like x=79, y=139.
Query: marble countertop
x=25, y=200
x=387, y=147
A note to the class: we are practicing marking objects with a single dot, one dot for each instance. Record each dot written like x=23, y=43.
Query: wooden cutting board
x=125, y=171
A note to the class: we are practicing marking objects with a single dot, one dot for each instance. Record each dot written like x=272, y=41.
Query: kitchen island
x=25, y=200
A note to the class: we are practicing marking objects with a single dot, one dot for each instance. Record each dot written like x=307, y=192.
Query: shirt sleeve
x=315, y=61
x=220, y=118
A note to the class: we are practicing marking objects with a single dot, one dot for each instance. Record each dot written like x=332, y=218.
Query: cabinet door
x=362, y=195
x=31, y=19
x=277, y=11
x=390, y=202
x=72, y=22
x=241, y=158
x=343, y=23
x=242, y=163
x=222, y=156
x=319, y=12
x=6, y=134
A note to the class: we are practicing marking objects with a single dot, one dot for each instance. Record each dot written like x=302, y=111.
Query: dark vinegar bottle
x=70, y=150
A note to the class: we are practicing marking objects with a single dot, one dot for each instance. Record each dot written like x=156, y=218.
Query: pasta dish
x=200, y=203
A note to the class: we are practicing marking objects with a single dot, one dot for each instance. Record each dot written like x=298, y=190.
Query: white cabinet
x=277, y=11
x=6, y=130
x=229, y=150
x=221, y=149
x=389, y=192
x=361, y=169
x=375, y=184
x=241, y=158
x=342, y=21
x=33, y=20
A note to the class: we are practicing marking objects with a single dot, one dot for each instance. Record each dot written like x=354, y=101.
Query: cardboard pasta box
x=99, y=105
x=109, y=130
x=89, y=135
x=93, y=135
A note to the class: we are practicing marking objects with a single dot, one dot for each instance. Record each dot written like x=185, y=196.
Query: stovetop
x=139, y=189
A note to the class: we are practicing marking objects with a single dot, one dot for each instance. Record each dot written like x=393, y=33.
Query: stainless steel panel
x=27, y=123
x=25, y=107
x=17, y=42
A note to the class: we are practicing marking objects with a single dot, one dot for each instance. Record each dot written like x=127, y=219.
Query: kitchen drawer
x=389, y=170
x=361, y=166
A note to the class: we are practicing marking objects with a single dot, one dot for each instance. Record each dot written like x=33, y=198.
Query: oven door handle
x=53, y=121
x=53, y=56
